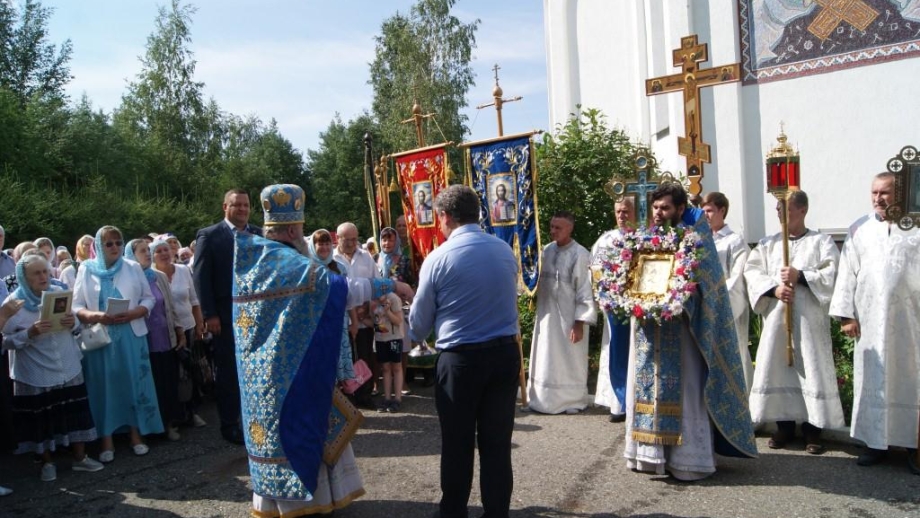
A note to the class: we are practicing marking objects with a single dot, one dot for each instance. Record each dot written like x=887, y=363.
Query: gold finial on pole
x=417, y=117
x=498, y=101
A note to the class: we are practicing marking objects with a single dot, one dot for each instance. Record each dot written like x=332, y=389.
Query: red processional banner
x=422, y=175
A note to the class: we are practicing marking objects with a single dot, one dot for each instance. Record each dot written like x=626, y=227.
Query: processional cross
x=690, y=80
x=498, y=101
x=644, y=165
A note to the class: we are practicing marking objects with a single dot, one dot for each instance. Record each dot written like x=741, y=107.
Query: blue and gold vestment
x=288, y=312
x=709, y=320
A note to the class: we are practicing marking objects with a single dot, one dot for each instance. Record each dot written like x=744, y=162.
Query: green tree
x=30, y=66
x=336, y=190
x=425, y=55
x=164, y=108
x=574, y=164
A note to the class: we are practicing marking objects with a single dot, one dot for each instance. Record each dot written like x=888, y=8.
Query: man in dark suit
x=213, y=272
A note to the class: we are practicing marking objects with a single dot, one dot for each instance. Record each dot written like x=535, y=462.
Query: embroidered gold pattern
x=281, y=197
x=256, y=433
x=244, y=322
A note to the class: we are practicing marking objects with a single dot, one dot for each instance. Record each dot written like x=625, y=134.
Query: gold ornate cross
x=690, y=80
x=855, y=12
x=498, y=101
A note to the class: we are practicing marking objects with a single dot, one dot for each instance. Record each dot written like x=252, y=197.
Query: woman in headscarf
x=319, y=248
x=118, y=378
x=174, y=245
x=164, y=334
x=50, y=405
x=188, y=317
x=84, y=252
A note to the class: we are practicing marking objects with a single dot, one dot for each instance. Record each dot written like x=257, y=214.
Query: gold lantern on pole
x=783, y=178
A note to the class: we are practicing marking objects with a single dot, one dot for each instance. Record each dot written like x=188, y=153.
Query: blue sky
x=300, y=61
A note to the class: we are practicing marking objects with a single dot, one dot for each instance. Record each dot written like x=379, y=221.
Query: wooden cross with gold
x=690, y=80
x=498, y=101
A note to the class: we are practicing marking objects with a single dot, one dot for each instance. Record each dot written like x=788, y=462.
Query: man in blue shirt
x=467, y=293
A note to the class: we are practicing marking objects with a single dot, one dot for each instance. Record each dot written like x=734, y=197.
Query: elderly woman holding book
x=50, y=405
x=115, y=293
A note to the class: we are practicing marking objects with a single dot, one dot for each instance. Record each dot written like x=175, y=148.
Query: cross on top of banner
x=646, y=180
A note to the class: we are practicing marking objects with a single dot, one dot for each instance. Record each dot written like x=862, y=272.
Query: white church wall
x=847, y=123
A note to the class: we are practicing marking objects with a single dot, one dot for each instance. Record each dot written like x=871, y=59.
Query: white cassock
x=733, y=253
x=807, y=391
x=559, y=368
x=879, y=285
x=603, y=394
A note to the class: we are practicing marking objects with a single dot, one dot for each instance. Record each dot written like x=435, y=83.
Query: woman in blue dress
x=121, y=390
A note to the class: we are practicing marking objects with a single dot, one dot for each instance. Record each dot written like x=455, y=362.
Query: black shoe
x=617, y=418
x=871, y=456
x=912, y=463
x=234, y=436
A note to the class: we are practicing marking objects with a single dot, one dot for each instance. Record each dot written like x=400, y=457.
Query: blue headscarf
x=31, y=301
x=129, y=254
x=312, y=254
x=389, y=260
x=105, y=273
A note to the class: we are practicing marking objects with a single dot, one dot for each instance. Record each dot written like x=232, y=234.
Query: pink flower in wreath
x=656, y=240
x=626, y=255
x=637, y=311
x=679, y=270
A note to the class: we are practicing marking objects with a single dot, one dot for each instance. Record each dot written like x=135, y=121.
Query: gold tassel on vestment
x=659, y=409
x=664, y=439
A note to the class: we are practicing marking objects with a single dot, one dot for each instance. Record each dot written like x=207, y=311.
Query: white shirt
x=184, y=296
x=45, y=360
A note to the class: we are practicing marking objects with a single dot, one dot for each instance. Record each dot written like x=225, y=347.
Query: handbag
x=362, y=374
x=94, y=337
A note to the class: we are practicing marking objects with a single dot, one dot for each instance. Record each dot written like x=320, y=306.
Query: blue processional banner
x=503, y=173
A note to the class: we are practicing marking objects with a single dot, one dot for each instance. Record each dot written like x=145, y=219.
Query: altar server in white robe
x=565, y=303
x=611, y=373
x=733, y=253
x=805, y=392
x=877, y=298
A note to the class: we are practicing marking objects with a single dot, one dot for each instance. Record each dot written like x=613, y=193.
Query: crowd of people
x=58, y=391
x=314, y=306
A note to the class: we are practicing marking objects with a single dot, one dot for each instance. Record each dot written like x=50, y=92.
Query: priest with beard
x=685, y=392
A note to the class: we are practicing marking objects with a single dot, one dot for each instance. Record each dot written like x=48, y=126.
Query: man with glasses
x=361, y=265
x=213, y=274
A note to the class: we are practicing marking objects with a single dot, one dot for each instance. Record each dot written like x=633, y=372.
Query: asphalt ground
x=564, y=466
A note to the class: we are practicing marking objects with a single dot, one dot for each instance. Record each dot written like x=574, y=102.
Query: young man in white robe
x=611, y=373
x=877, y=299
x=805, y=392
x=565, y=303
x=733, y=253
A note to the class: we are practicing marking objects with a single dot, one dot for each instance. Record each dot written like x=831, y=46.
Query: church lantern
x=782, y=167
x=783, y=179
